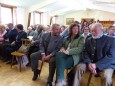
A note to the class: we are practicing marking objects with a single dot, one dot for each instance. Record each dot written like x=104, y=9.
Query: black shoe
x=28, y=65
x=49, y=84
x=35, y=75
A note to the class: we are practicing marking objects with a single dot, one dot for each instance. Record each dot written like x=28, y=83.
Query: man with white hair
x=99, y=56
x=30, y=32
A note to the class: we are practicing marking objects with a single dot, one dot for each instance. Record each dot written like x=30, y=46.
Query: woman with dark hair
x=69, y=54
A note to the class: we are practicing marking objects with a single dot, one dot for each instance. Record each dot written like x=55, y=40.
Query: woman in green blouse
x=69, y=54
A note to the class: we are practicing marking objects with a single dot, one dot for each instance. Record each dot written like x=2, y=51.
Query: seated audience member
x=2, y=33
x=30, y=32
x=46, y=29
x=111, y=31
x=63, y=28
x=33, y=27
x=35, y=40
x=11, y=33
x=15, y=45
x=99, y=56
x=86, y=31
x=2, y=40
x=65, y=33
x=69, y=54
x=50, y=44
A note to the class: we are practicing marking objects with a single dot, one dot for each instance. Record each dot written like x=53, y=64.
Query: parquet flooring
x=12, y=77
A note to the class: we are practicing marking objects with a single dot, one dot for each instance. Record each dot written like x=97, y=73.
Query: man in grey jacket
x=35, y=41
x=50, y=44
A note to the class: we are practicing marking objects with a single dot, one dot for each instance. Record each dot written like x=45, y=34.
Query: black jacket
x=11, y=35
x=18, y=41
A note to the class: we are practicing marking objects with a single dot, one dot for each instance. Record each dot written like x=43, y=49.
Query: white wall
x=60, y=20
x=45, y=19
x=21, y=16
x=101, y=15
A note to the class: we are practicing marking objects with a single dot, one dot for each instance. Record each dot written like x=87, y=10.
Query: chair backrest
x=26, y=42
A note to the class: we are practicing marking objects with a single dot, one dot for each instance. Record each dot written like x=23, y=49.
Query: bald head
x=97, y=30
x=29, y=29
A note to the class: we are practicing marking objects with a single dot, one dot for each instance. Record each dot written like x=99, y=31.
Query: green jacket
x=76, y=48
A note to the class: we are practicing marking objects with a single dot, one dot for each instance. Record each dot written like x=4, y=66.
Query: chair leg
x=89, y=79
x=12, y=61
x=20, y=60
x=39, y=71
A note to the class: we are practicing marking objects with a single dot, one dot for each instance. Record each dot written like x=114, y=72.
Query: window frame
x=7, y=6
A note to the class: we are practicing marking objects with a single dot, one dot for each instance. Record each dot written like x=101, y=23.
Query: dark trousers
x=9, y=50
x=35, y=57
x=32, y=49
x=3, y=48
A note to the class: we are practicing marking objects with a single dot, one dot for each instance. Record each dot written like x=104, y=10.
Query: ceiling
x=61, y=7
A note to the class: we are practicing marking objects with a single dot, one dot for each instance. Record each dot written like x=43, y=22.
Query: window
x=6, y=15
x=35, y=18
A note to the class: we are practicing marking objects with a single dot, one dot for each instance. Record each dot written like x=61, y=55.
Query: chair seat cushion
x=17, y=53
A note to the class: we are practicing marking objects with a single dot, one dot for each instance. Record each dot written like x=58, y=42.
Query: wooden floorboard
x=12, y=77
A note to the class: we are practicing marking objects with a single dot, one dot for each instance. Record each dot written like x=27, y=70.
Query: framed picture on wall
x=69, y=21
x=88, y=20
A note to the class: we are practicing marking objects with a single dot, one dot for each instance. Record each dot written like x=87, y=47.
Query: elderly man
x=50, y=43
x=30, y=32
x=99, y=56
x=11, y=33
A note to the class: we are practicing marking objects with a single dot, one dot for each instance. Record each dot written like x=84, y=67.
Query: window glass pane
x=6, y=15
x=37, y=18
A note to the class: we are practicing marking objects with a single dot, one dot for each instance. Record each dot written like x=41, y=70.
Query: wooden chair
x=89, y=79
x=40, y=66
x=20, y=55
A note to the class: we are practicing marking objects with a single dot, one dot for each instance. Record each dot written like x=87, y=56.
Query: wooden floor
x=12, y=77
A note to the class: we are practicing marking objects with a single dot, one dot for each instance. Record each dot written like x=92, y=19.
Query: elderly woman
x=86, y=31
x=69, y=54
x=2, y=33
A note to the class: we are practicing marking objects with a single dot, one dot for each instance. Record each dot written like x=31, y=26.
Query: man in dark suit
x=15, y=45
x=11, y=36
x=50, y=44
x=99, y=56
x=11, y=33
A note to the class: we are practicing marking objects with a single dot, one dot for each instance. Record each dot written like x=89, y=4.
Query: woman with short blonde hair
x=2, y=32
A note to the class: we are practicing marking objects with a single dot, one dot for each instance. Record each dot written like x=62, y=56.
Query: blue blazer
x=100, y=51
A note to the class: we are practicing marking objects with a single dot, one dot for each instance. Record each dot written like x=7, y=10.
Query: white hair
x=99, y=25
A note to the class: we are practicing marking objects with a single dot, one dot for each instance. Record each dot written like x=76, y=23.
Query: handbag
x=23, y=48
